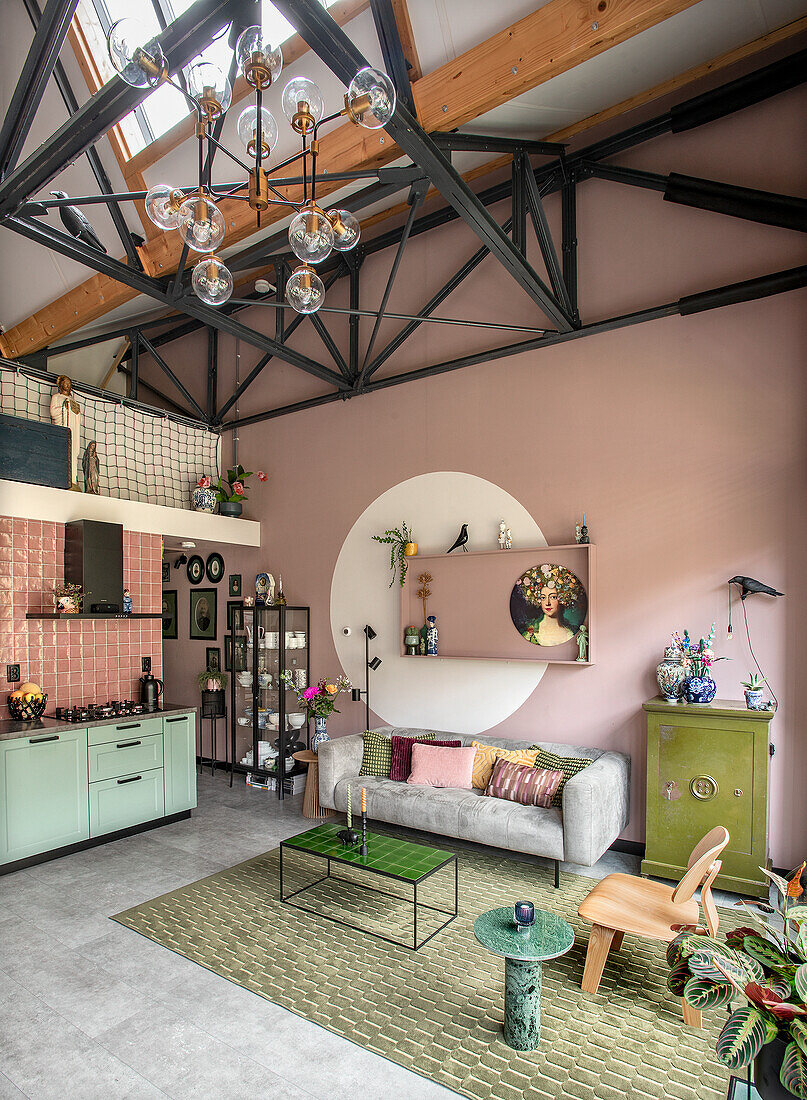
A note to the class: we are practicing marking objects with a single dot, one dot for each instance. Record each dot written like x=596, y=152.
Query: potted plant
x=318, y=702
x=212, y=685
x=402, y=546
x=699, y=687
x=232, y=490
x=754, y=691
x=68, y=598
x=765, y=967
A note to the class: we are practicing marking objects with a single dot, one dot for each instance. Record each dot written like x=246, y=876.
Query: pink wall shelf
x=471, y=600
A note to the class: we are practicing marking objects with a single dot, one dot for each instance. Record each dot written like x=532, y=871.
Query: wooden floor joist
x=551, y=40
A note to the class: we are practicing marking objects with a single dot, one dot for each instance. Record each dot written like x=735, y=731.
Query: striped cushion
x=521, y=783
x=377, y=755
x=569, y=765
x=486, y=756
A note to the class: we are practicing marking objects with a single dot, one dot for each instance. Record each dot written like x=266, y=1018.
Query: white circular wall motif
x=444, y=693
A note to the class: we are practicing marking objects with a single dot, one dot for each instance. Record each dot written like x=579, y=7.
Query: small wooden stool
x=311, y=806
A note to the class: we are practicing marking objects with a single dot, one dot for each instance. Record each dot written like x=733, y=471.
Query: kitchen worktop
x=10, y=728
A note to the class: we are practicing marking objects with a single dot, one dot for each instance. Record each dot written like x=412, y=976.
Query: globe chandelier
x=314, y=233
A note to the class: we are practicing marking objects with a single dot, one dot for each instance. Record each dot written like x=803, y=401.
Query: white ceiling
x=443, y=29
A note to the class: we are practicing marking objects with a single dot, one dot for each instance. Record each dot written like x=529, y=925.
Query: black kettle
x=150, y=691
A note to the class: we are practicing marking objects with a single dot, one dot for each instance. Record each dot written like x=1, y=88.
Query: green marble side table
x=523, y=954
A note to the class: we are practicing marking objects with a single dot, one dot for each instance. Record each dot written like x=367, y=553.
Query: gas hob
x=94, y=712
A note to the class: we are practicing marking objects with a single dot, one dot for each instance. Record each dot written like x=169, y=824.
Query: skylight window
x=165, y=106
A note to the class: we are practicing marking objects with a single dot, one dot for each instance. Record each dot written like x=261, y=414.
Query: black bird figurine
x=461, y=539
x=750, y=587
x=76, y=224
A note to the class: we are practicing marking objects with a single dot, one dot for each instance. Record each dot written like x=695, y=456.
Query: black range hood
x=93, y=558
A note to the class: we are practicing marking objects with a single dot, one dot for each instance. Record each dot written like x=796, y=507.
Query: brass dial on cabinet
x=703, y=787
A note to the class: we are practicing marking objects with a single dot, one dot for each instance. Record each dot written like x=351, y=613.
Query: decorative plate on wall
x=195, y=569
x=215, y=568
x=548, y=605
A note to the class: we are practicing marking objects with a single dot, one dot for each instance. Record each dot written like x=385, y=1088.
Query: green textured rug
x=439, y=1011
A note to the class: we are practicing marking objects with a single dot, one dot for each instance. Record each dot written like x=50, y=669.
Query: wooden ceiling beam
x=521, y=46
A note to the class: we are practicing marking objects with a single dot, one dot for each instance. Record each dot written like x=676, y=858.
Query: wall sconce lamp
x=356, y=693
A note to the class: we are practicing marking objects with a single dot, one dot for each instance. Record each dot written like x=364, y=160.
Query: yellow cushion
x=487, y=755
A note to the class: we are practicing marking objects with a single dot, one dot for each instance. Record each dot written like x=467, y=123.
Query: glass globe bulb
x=211, y=281
x=371, y=98
x=311, y=236
x=201, y=224
x=258, y=63
x=248, y=127
x=303, y=104
x=305, y=290
x=138, y=59
x=210, y=88
x=346, y=229
x=162, y=205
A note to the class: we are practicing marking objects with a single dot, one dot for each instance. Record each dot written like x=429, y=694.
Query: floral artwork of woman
x=548, y=605
x=66, y=411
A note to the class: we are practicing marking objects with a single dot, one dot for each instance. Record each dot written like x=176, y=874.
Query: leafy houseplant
x=68, y=598
x=766, y=968
x=232, y=489
x=212, y=681
x=402, y=546
x=753, y=691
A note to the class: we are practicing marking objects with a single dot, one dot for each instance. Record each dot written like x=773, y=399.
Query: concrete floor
x=93, y=1010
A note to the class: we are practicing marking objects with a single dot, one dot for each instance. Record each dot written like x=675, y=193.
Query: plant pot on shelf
x=213, y=704
x=766, y=1071
x=753, y=698
x=230, y=507
x=203, y=500
x=411, y=549
x=700, y=689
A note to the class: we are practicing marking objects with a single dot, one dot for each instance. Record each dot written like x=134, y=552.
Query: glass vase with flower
x=318, y=702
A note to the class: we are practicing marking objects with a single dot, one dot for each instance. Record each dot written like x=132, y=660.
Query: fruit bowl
x=27, y=710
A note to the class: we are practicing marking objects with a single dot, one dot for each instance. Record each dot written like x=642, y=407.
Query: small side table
x=311, y=806
x=523, y=953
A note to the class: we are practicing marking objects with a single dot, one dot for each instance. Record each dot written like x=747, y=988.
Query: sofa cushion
x=569, y=765
x=487, y=755
x=441, y=766
x=521, y=783
x=377, y=755
x=401, y=764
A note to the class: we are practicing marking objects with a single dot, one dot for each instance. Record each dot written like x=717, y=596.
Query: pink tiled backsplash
x=74, y=661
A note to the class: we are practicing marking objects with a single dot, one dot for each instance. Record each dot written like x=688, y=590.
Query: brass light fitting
x=256, y=72
x=355, y=110
x=258, y=189
x=150, y=66
x=303, y=120
x=208, y=101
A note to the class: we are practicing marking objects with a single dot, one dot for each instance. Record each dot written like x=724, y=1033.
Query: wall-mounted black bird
x=76, y=224
x=750, y=587
x=461, y=539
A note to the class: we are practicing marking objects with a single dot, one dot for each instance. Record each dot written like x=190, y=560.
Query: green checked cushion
x=569, y=765
x=377, y=757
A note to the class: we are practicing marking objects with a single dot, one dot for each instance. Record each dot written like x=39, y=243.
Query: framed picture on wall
x=169, y=610
x=213, y=659
x=166, y=572
x=235, y=584
x=235, y=615
x=240, y=653
x=203, y=613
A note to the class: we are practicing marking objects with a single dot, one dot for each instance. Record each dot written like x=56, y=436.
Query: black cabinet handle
x=128, y=744
x=129, y=726
x=184, y=718
x=42, y=740
x=131, y=779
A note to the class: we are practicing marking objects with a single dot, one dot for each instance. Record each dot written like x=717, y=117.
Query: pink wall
x=683, y=440
x=76, y=661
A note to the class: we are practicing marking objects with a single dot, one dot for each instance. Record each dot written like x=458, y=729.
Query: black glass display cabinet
x=267, y=723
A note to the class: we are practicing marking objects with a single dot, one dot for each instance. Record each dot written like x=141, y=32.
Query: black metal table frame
x=415, y=946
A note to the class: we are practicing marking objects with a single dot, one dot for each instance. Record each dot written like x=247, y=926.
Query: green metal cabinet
x=43, y=793
x=707, y=765
x=179, y=762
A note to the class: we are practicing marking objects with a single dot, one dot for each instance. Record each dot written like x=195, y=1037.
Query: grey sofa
x=594, y=813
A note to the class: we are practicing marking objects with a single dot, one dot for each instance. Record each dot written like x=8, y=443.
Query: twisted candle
x=364, y=800
x=349, y=814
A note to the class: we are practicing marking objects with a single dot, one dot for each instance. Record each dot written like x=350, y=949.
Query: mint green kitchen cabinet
x=179, y=762
x=43, y=793
x=134, y=754
x=126, y=801
x=708, y=765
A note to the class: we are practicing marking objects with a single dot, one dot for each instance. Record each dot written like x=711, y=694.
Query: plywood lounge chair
x=644, y=907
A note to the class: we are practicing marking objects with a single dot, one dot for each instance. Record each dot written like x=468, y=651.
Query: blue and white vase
x=320, y=733
x=700, y=689
x=431, y=636
x=204, y=500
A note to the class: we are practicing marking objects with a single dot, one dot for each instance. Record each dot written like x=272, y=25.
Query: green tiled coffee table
x=387, y=858
x=523, y=953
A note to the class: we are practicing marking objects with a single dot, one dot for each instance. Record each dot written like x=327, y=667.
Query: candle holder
x=364, y=832
x=524, y=915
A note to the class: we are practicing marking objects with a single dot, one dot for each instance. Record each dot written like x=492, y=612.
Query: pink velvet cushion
x=436, y=766
x=401, y=764
x=522, y=783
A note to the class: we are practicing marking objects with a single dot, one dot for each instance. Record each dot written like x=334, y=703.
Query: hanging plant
x=400, y=541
